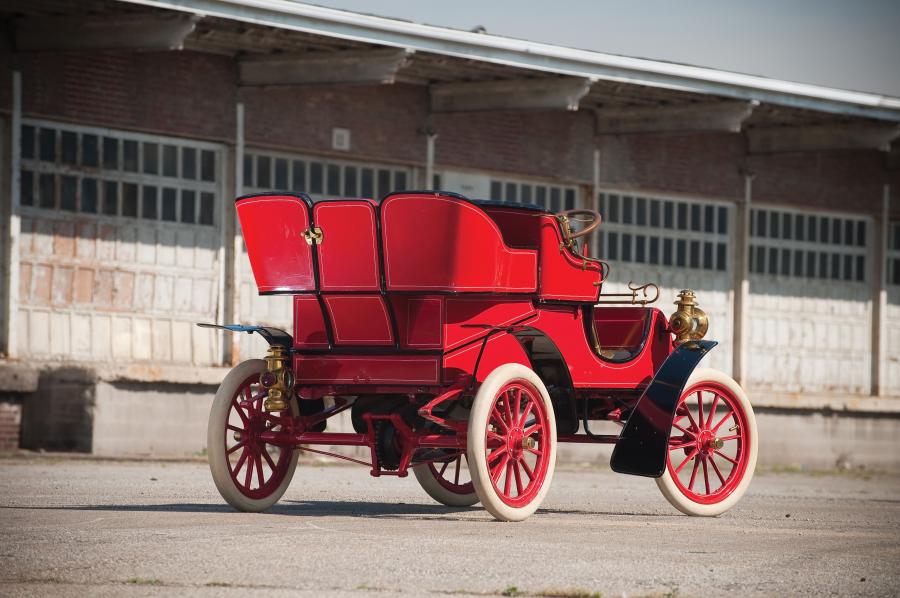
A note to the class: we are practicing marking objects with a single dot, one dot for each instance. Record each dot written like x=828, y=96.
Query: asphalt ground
x=80, y=527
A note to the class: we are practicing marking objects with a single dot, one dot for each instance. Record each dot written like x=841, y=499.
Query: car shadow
x=321, y=508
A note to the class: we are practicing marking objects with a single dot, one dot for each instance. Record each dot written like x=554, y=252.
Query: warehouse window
x=893, y=256
x=678, y=233
x=554, y=198
x=321, y=177
x=99, y=172
x=799, y=244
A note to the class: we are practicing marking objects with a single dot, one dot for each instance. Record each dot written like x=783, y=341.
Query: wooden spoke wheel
x=448, y=482
x=712, y=447
x=251, y=475
x=512, y=442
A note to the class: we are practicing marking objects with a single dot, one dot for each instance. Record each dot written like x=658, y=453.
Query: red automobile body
x=423, y=294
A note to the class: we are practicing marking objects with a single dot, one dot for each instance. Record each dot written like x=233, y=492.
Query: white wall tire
x=512, y=442
x=448, y=483
x=268, y=477
x=703, y=478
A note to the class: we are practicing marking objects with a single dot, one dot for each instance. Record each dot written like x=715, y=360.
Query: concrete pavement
x=74, y=527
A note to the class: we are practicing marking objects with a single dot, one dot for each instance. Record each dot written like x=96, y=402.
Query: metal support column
x=879, y=289
x=741, y=282
x=11, y=250
x=431, y=138
x=234, y=233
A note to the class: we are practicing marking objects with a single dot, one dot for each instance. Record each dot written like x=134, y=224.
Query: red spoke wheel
x=251, y=475
x=448, y=482
x=712, y=446
x=512, y=442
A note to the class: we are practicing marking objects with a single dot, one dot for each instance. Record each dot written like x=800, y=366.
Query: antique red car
x=467, y=338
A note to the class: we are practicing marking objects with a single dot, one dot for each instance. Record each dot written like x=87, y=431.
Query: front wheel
x=512, y=442
x=712, y=447
x=250, y=474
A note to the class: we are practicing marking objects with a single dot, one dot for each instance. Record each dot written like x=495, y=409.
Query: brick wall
x=385, y=121
x=183, y=93
x=10, y=424
x=548, y=144
x=696, y=164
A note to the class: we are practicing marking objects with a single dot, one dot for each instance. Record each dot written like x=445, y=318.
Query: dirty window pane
x=695, y=254
x=682, y=216
x=90, y=152
x=848, y=232
x=151, y=158
x=810, y=264
x=207, y=208
x=669, y=214
x=681, y=253
x=695, y=217
x=835, y=266
x=823, y=230
x=570, y=199
x=798, y=262
x=334, y=179
x=68, y=193
x=613, y=208
x=811, y=228
x=110, y=198
x=709, y=216
x=188, y=206
x=496, y=191
x=281, y=174
x=555, y=199
x=667, y=252
x=773, y=260
x=170, y=160
x=641, y=215
x=350, y=181
x=775, y=225
x=787, y=226
x=721, y=256
x=110, y=153
x=69, y=147
x=541, y=197
x=526, y=193
x=299, y=169
x=836, y=230
x=761, y=221
x=188, y=163
x=47, y=184
x=626, y=210
x=613, y=250
x=47, y=145
x=26, y=187
x=708, y=255
x=26, y=143
x=208, y=165
x=129, y=200
x=368, y=183
x=263, y=171
x=848, y=267
x=169, y=199
x=861, y=268
x=640, y=244
x=626, y=248
x=785, y=262
x=654, y=212
x=89, y=196
x=384, y=182
x=800, y=227
x=129, y=156
x=148, y=206
x=400, y=180
x=654, y=250
x=861, y=234
x=316, y=177
x=723, y=220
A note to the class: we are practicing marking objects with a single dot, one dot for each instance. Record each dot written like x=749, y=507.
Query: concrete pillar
x=878, y=282
x=10, y=300
x=741, y=282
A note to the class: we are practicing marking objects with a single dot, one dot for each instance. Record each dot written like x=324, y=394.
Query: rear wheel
x=448, y=482
x=251, y=475
x=712, y=447
x=512, y=442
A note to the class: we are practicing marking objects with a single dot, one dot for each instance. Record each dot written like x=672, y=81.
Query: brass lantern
x=689, y=322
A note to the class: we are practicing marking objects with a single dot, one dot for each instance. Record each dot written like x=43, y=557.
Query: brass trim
x=633, y=298
x=279, y=393
x=313, y=236
x=689, y=322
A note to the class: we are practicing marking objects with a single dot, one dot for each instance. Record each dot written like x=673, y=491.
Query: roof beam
x=852, y=136
x=563, y=93
x=148, y=31
x=538, y=56
x=725, y=116
x=351, y=67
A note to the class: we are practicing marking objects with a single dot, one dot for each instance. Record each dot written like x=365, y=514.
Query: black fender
x=273, y=336
x=644, y=441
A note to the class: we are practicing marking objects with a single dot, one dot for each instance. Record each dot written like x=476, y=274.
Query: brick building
x=127, y=129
